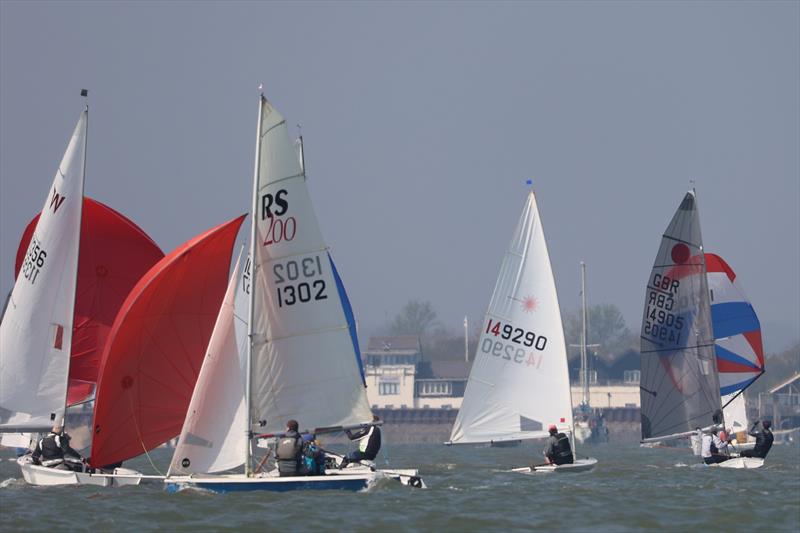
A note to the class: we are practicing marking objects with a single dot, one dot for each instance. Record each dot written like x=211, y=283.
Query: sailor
x=54, y=451
x=288, y=451
x=369, y=443
x=714, y=449
x=558, y=451
x=764, y=440
x=313, y=457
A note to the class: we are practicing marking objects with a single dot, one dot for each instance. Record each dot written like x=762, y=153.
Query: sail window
x=58, y=339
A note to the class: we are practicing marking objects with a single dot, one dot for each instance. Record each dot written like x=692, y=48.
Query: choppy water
x=631, y=489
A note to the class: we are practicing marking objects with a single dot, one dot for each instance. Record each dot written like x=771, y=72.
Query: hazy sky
x=422, y=122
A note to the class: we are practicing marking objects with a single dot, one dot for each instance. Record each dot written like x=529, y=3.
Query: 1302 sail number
x=294, y=280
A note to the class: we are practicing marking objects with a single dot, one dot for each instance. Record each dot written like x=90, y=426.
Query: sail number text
x=280, y=229
x=513, y=349
x=34, y=261
x=294, y=280
x=660, y=322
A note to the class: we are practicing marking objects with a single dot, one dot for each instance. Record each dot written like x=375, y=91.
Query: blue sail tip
x=528, y=182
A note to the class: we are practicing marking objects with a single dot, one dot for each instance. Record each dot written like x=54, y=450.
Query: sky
x=421, y=122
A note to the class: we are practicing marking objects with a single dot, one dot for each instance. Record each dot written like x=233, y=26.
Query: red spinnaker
x=114, y=254
x=156, y=347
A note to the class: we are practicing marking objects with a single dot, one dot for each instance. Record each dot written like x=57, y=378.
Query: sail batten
x=521, y=349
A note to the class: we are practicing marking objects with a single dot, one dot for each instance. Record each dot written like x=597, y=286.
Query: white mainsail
x=303, y=359
x=212, y=438
x=519, y=383
x=36, y=330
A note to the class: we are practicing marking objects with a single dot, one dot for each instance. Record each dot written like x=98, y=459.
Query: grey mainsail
x=679, y=383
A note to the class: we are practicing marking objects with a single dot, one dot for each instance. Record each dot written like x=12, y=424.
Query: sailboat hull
x=44, y=476
x=240, y=483
x=350, y=481
x=741, y=463
x=580, y=465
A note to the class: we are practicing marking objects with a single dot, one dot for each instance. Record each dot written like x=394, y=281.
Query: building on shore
x=424, y=396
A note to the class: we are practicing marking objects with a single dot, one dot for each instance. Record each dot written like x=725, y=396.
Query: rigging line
x=741, y=391
x=139, y=436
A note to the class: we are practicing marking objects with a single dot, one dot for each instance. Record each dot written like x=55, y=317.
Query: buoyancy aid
x=288, y=448
x=562, y=448
x=52, y=452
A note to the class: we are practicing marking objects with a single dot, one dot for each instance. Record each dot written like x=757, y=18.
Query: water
x=470, y=489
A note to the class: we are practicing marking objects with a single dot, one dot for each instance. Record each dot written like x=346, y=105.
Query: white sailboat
x=680, y=387
x=36, y=330
x=294, y=355
x=519, y=382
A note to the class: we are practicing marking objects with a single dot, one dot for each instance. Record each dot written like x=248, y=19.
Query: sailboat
x=292, y=355
x=680, y=388
x=37, y=326
x=589, y=425
x=157, y=339
x=738, y=345
x=519, y=382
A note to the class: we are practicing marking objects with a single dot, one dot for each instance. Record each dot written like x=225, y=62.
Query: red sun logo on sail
x=530, y=304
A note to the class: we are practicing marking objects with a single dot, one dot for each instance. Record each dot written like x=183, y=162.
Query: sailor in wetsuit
x=369, y=443
x=54, y=451
x=764, y=440
x=288, y=451
x=558, y=451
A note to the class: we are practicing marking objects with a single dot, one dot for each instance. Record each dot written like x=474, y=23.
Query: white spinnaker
x=212, y=438
x=303, y=360
x=36, y=330
x=735, y=413
x=516, y=390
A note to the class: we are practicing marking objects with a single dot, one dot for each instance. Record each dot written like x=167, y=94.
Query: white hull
x=741, y=463
x=44, y=476
x=580, y=465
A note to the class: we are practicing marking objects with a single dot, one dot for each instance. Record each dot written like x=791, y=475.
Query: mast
x=251, y=312
x=85, y=95
x=466, y=339
x=584, y=358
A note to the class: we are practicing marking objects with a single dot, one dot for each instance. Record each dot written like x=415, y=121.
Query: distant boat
x=680, y=386
x=284, y=345
x=589, y=423
x=519, y=382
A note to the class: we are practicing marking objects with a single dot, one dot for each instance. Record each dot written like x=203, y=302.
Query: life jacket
x=52, y=453
x=562, y=448
x=288, y=448
x=313, y=459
